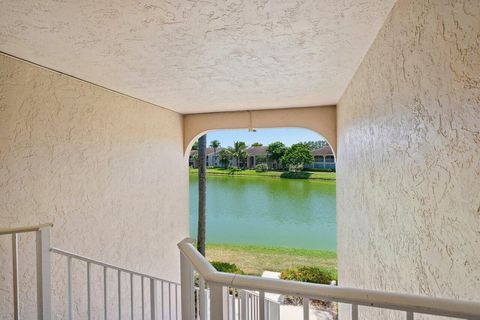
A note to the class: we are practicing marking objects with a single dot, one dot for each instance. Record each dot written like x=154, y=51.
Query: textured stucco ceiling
x=200, y=56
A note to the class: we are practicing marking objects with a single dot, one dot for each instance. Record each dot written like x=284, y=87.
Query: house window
x=318, y=158
x=329, y=159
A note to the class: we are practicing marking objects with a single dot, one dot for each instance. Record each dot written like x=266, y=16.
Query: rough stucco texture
x=408, y=188
x=107, y=170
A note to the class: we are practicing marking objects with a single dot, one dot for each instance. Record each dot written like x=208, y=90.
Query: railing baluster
x=119, y=284
x=44, y=306
x=226, y=303
x=143, y=299
x=261, y=306
x=216, y=301
x=233, y=304
x=176, y=301
x=131, y=296
x=267, y=309
x=153, y=299
x=163, y=297
x=186, y=275
x=15, y=275
x=105, y=293
x=89, y=302
x=409, y=315
x=243, y=304
x=354, y=311
x=169, y=301
x=201, y=298
x=69, y=288
x=306, y=308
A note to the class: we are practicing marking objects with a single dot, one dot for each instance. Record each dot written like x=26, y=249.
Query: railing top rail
x=34, y=228
x=373, y=298
x=107, y=265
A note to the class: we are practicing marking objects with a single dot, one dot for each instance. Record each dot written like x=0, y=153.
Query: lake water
x=267, y=211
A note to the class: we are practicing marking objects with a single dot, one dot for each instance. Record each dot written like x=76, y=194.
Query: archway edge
x=319, y=119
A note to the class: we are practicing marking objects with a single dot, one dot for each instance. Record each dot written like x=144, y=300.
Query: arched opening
x=261, y=216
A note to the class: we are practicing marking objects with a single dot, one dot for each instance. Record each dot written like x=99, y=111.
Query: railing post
x=261, y=306
x=216, y=301
x=202, y=299
x=15, y=276
x=153, y=299
x=354, y=311
x=306, y=308
x=186, y=280
x=43, y=274
x=243, y=304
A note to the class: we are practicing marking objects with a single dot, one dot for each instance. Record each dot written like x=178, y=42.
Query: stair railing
x=163, y=294
x=191, y=260
x=44, y=307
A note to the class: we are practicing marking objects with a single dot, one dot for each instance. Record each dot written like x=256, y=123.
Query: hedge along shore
x=308, y=175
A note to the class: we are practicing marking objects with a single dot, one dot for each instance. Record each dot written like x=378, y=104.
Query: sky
x=288, y=136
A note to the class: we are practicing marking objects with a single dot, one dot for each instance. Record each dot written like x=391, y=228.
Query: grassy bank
x=255, y=259
x=329, y=176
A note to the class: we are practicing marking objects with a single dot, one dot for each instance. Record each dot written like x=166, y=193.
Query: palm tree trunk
x=202, y=191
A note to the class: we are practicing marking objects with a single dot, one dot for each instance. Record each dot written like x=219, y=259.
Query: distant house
x=323, y=159
x=256, y=155
x=212, y=158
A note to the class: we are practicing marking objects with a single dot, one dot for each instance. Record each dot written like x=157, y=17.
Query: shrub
x=233, y=170
x=312, y=275
x=319, y=169
x=226, y=267
x=296, y=175
x=262, y=167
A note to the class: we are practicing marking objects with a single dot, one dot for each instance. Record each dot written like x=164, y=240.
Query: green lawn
x=255, y=259
x=331, y=176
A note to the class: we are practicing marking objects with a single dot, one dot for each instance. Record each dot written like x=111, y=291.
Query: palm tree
x=202, y=185
x=214, y=144
x=275, y=152
x=224, y=157
x=239, y=152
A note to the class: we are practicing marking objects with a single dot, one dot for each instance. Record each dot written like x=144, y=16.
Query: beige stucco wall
x=320, y=119
x=106, y=169
x=408, y=181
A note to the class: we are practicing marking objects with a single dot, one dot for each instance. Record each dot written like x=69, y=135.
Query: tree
x=215, y=144
x=195, y=145
x=275, y=152
x=257, y=144
x=297, y=156
x=239, y=152
x=202, y=186
x=224, y=157
x=195, y=160
x=316, y=144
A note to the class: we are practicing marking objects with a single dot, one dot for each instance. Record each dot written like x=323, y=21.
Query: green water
x=267, y=211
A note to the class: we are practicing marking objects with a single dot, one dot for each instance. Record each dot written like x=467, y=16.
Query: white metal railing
x=191, y=259
x=239, y=304
x=42, y=268
x=163, y=294
x=168, y=295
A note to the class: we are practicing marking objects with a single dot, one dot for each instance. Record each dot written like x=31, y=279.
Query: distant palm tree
x=215, y=144
x=239, y=151
x=224, y=157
